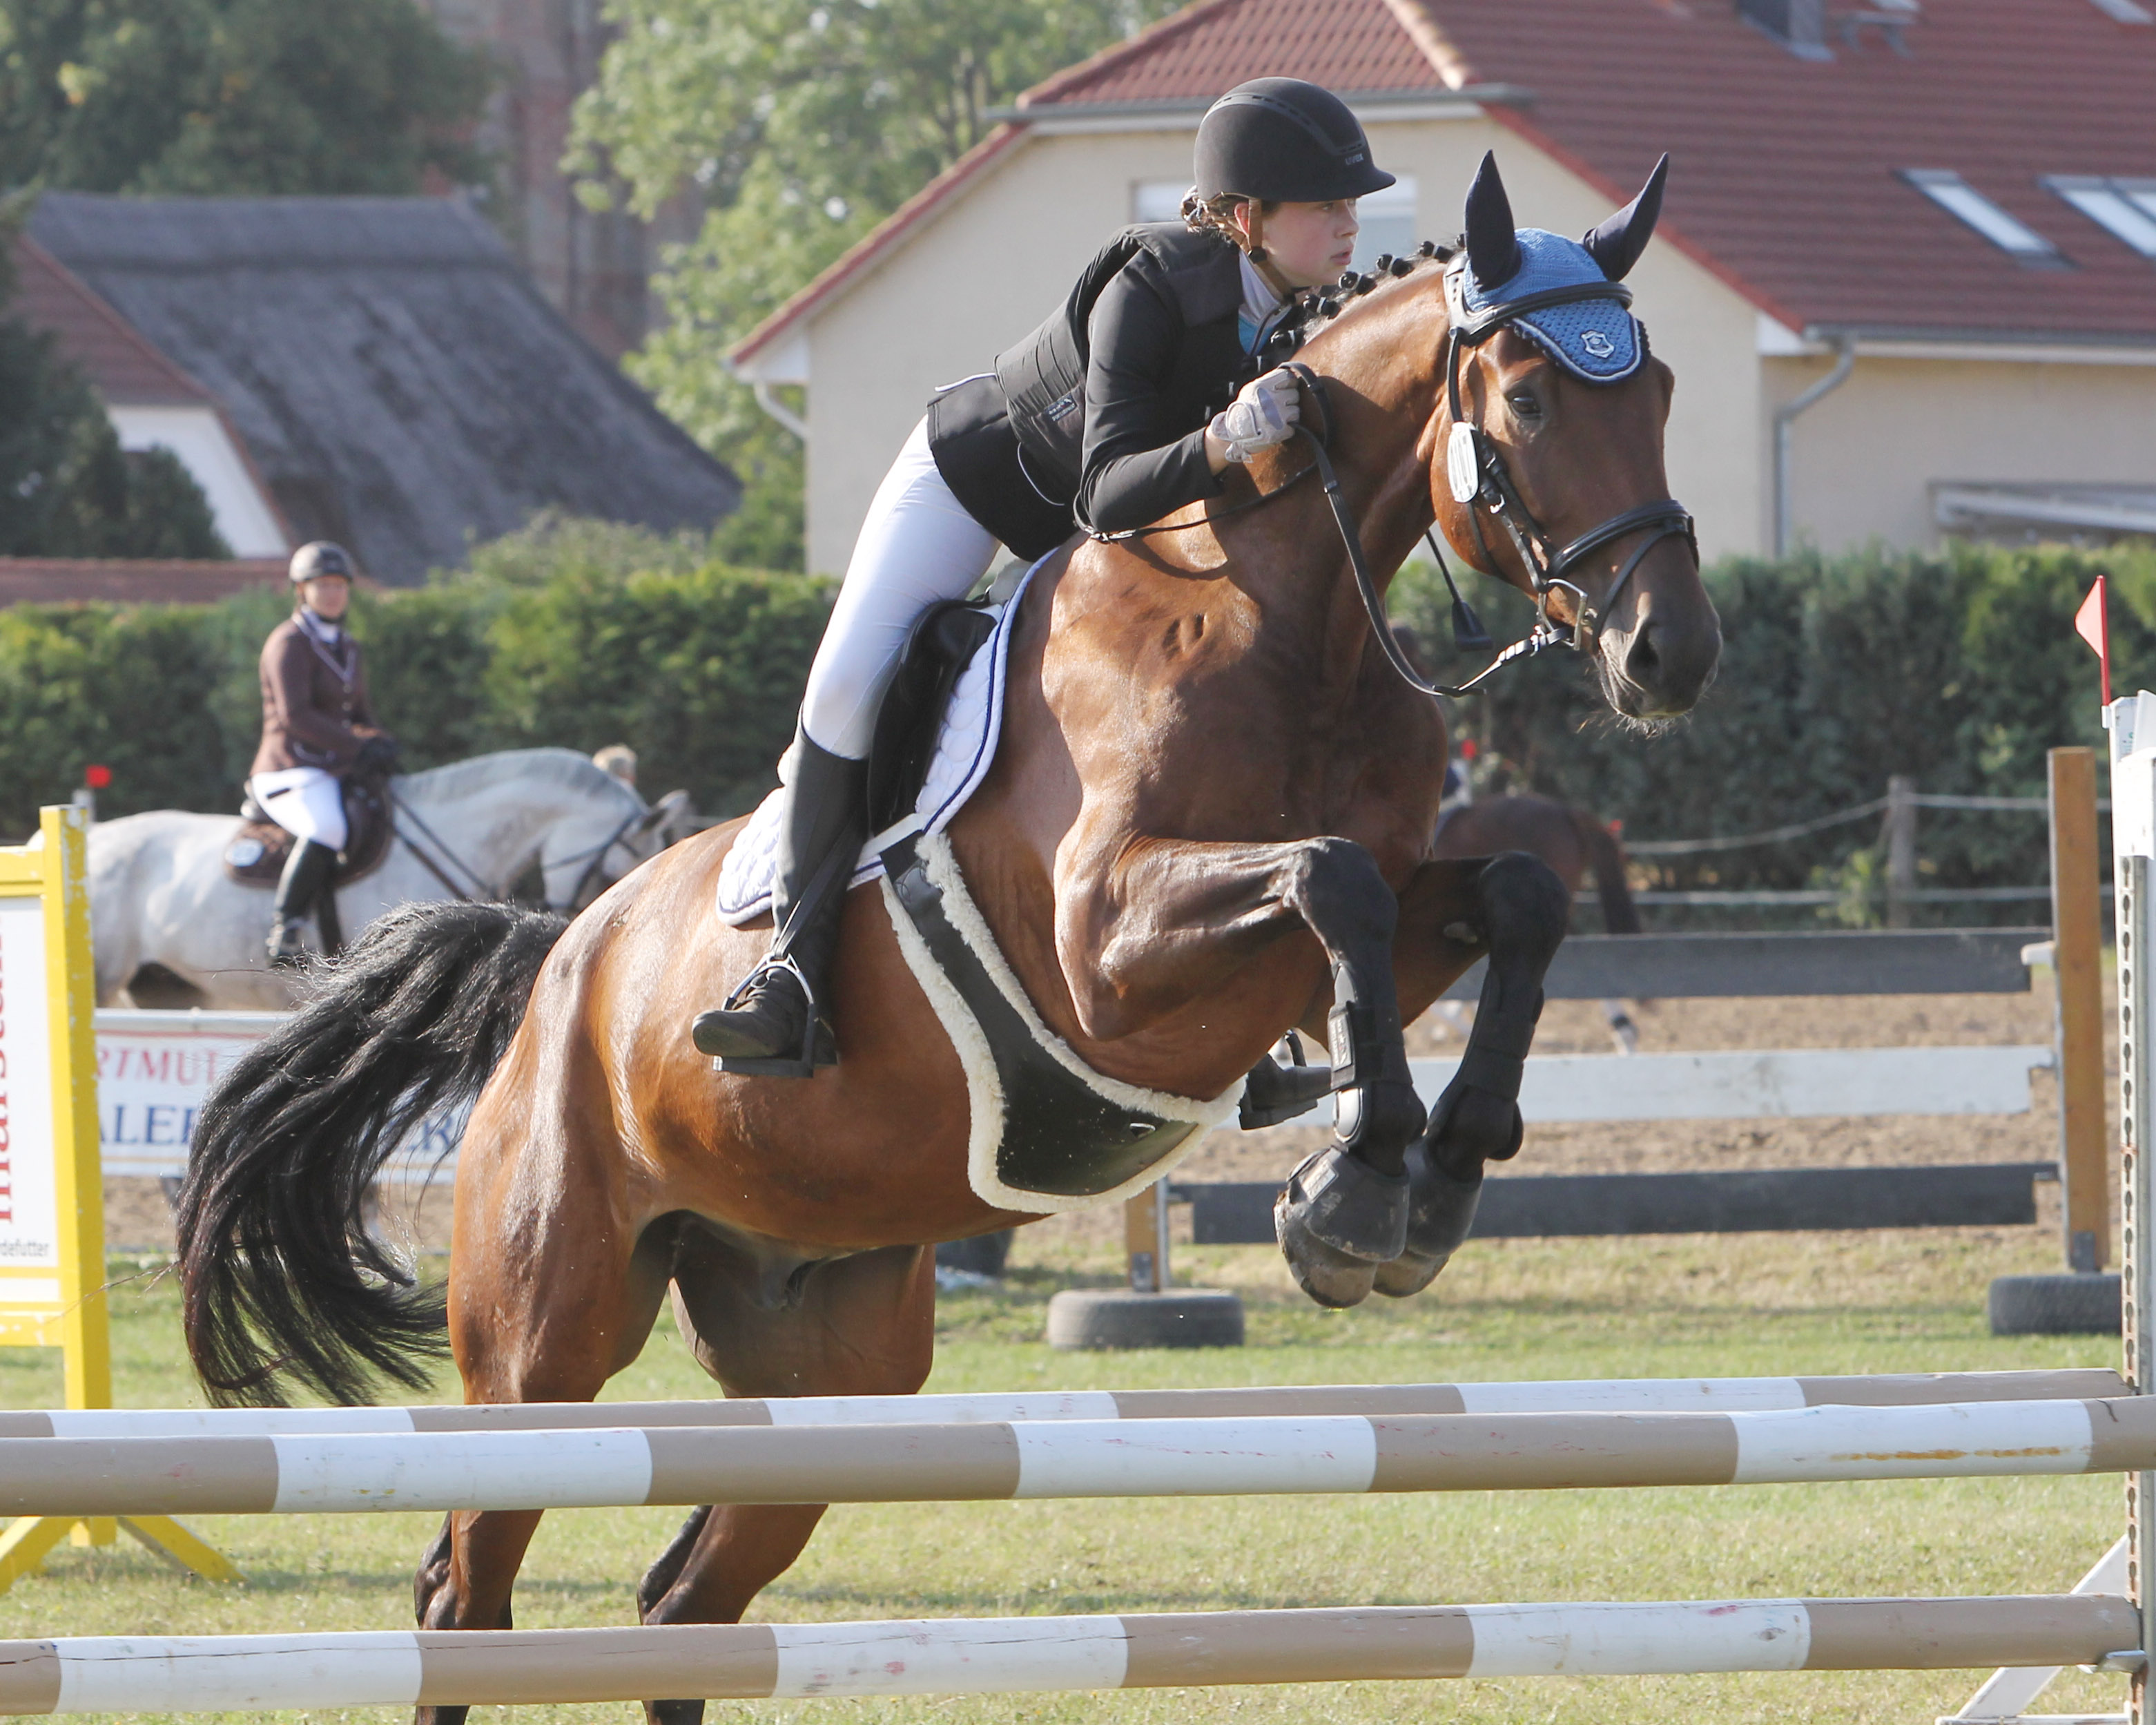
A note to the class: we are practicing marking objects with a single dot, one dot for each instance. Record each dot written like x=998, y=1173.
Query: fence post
x=2077, y=970
x=1145, y=1239
x=1900, y=833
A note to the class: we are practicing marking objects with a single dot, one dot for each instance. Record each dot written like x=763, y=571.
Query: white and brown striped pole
x=1636, y=1395
x=126, y=1673
x=953, y=1463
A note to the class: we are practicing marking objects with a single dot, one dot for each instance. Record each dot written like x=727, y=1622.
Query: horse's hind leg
x=549, y=1296
x=1516, y=906
x=863, y=1325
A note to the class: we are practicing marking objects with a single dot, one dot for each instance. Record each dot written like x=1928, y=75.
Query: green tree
x=67, y=489
x=233, y=96
x=801, y=124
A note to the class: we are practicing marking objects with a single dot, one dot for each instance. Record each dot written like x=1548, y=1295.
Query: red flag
x=2092, y=623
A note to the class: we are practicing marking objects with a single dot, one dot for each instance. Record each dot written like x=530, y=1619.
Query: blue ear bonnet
x=1595, y=339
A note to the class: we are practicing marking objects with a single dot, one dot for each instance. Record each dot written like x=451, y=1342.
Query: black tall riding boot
x=305, y=877
x=777, y=1024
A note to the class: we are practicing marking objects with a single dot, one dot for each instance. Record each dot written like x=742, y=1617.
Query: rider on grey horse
x=1126, y=404
x=317, y=727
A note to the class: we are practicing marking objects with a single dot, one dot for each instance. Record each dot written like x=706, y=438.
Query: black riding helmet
x=1283, y=141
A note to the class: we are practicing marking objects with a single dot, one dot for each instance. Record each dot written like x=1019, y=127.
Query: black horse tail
x=1606, y=857
x=280, y=1274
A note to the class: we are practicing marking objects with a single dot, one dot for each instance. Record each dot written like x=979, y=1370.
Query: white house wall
x=1865, y=458
x=199, y=437
x=987, y=268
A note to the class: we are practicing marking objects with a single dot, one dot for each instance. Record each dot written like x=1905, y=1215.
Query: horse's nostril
x=1643, y=662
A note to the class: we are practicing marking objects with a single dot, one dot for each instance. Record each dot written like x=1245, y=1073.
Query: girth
x=1061, y=1136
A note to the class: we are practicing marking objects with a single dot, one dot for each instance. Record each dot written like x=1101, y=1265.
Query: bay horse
x=1207, y=822
x=1573, y=843
x=1570, y=840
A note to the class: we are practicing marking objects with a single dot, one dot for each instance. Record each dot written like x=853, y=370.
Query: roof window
x=2125, y=209
x=1957, y=198
x=2125, y=11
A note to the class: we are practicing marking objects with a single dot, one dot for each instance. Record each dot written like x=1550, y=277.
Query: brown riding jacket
x=314, y=709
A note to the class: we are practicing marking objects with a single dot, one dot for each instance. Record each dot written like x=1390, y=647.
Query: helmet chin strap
x=1253, y=225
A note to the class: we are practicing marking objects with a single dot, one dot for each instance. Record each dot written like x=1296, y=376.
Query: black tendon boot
x=305, y=877
x=777, y=1024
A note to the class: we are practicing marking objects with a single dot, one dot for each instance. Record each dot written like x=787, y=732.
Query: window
x=2126, y=209
x=1957, y=198
x=1387, y=217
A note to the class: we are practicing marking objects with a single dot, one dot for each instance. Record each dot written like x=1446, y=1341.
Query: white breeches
x=918, y=545
x=305, y=801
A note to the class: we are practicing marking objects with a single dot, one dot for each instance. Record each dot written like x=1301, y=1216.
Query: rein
x=594, y=857
x=485, y=892
x=598, y=855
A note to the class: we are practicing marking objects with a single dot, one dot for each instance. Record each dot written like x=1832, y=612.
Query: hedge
x=1959, y=668
x=571, y=635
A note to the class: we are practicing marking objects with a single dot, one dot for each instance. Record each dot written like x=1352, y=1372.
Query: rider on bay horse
x=1125, y=405
x=317, y=727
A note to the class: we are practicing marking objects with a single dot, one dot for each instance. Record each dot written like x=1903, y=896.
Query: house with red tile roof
x=1905, y=273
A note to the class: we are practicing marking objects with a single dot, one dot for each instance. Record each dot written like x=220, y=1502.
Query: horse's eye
x=1524, y=405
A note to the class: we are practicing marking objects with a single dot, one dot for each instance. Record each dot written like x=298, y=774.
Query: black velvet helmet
x=1286, y=141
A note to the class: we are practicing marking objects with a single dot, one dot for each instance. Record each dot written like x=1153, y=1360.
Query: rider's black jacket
x=1102, y=410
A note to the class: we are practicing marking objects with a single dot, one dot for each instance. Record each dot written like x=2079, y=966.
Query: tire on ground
x=2055, y=1305
x=1119, y=1318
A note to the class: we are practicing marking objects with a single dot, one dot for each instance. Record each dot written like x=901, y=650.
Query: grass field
x=1888, y=1301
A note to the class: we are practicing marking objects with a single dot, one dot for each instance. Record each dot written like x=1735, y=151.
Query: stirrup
x=286, y=947
x=818, y=1046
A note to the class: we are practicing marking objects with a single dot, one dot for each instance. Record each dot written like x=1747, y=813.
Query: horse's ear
x=1493, y=248
x=1617, y=244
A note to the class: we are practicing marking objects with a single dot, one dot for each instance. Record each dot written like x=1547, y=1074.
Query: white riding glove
x=1263, y=415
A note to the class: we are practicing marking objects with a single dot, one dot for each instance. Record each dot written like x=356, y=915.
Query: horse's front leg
x=1173, y=920
x=1514, y=906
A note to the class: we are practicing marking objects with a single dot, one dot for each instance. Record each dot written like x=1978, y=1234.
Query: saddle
x=942, y=644
x=256, y=855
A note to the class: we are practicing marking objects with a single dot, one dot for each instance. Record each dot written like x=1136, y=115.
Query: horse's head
x=1547, y=469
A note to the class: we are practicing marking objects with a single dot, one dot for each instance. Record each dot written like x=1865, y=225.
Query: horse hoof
x=1325, y=1274
x=1440, y=1216
x=1337, y=1220
x=1342, y=1201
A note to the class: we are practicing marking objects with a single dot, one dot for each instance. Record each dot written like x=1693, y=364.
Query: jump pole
x=1634, y=1395
x=347, y=1472
x=1041, y=1655
x=52, y=1198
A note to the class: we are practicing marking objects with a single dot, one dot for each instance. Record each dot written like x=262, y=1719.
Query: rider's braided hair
x=1219, y=215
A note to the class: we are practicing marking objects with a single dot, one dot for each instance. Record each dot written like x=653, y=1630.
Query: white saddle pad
x=965, y=749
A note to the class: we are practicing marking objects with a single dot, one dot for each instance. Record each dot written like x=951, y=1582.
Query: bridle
x=1476, y=474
